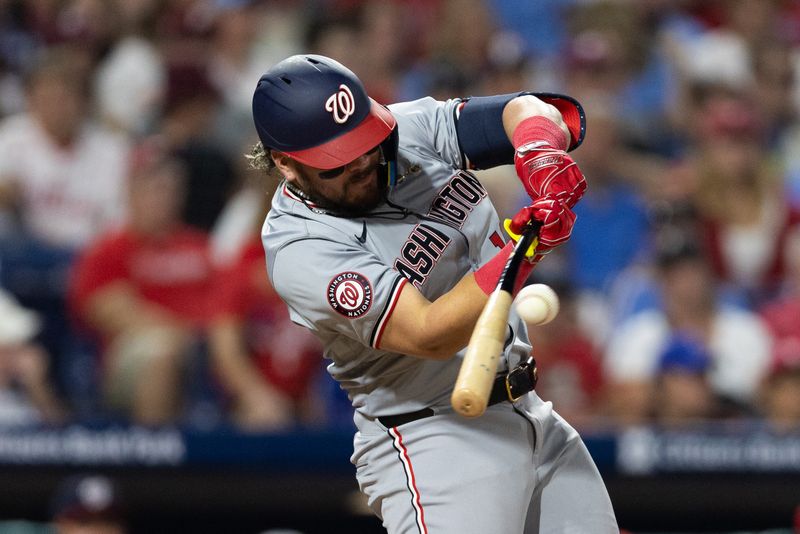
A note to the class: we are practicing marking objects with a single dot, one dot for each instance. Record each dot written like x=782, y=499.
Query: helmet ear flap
x=388, y=149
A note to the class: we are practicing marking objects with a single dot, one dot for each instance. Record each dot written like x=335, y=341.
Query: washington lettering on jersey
x=457, y=199
x=425, y=244
x=421, y=252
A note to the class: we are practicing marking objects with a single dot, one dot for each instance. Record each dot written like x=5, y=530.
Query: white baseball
x=537, y=304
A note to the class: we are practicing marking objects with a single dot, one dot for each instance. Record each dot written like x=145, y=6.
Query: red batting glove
x=544, y=170
x=557, y=222
x=542, y=162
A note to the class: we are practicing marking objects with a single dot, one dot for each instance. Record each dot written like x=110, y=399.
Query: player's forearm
x=435, y=329
x=522, y=107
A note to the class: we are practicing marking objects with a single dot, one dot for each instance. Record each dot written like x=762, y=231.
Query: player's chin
x=365, y=194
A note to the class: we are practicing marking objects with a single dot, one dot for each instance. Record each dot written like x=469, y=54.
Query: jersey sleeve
x=429, y=124
x=336, y=289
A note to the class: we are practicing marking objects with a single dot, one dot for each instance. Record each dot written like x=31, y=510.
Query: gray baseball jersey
x=341, y=278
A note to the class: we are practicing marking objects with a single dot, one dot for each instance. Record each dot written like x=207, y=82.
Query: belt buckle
x=525, y=371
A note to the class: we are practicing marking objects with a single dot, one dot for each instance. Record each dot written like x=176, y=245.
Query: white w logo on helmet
x=341, y=104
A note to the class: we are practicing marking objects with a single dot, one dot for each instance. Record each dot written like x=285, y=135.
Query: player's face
x=352, y=190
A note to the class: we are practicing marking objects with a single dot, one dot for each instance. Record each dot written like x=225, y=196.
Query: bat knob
x=468, y=404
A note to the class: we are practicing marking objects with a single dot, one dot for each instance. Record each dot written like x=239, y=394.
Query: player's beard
x=351, y=196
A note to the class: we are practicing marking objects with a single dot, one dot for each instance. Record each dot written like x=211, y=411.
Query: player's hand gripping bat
x=478, y=370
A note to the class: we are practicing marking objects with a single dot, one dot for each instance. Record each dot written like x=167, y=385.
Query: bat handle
x=476, y=377
x=479, y=367
x=508, y=278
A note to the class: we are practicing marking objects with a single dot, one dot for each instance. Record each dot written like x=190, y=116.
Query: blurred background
x=150, y=378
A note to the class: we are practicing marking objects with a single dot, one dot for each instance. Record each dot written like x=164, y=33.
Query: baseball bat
x=479, y=367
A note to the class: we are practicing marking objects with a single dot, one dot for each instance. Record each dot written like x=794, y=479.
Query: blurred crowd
x=132, y=279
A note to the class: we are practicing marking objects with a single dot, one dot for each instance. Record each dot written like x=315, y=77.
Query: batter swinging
x=383, y=243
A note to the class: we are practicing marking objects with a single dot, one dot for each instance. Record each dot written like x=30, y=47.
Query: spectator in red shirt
x=267, y=365
x=143, y=289
x=745, y=217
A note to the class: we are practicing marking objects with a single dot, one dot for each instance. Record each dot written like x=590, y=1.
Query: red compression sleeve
x=539, y=128
x=488, y=275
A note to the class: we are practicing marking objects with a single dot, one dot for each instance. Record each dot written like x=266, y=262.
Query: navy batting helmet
x=317, y=111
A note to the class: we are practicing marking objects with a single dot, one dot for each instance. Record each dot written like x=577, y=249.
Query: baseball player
x=382, y=242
